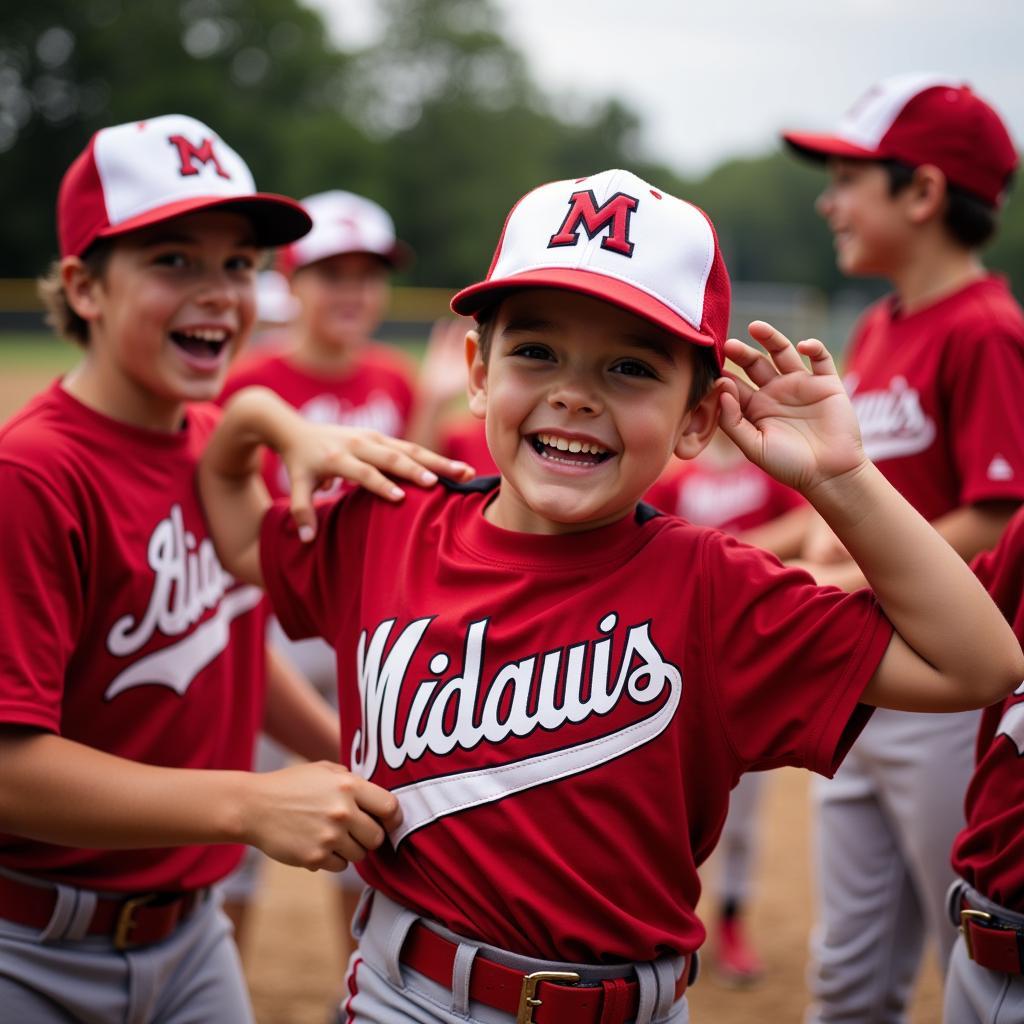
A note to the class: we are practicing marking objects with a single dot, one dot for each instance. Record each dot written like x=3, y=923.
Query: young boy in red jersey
x=935, y=372
x=131, y=672
x=560, y=685
x=985, y=978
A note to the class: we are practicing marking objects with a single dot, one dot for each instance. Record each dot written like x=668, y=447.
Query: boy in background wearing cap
x=558, y=684
x=331, y=371
x=131, y=671
x=935, y=372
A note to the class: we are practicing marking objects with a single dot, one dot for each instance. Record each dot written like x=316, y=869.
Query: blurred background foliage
x=440, y=121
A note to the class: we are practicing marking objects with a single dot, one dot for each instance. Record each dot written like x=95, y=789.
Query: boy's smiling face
x=584, y=405
x=175, y=302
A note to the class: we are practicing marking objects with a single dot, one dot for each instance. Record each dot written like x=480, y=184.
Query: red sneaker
x=736, y=964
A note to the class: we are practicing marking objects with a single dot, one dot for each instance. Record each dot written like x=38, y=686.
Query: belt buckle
x=966, y=916
x=126, y=920
x=528, y=1000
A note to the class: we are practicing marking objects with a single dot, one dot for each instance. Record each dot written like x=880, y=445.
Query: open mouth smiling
x=569, y=452
x=204, y=343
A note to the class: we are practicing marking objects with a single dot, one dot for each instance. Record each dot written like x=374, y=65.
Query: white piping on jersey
x=643, y=676
x=1011, y=725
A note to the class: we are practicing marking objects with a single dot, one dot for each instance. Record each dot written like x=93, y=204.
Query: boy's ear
x=700, y=425
x=79, y=287
x=477, y=376
x=927, y=194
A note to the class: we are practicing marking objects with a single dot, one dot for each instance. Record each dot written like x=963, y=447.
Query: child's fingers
x=754, y=363
x=820, y=357
x=784, y=355
x=737, y=427
x=367, y=475
x=302, y=486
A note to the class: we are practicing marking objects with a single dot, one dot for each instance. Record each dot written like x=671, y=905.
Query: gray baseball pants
x=49, y=977
x=975, y=994
x=382, y=990
x=885, y=827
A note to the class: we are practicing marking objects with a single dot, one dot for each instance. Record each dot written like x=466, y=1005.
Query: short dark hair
x=971, y=220
x=705, y=364
x=59, y=314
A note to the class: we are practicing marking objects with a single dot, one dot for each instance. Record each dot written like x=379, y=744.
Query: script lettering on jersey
x=893, y=424
x=1011, y=725
x=522, y=697
x=188, y=582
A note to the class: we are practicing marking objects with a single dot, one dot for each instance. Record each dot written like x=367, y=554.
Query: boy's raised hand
x=795, y=423
x=315, y=453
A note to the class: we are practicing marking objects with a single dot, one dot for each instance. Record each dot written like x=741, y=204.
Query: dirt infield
x=293, y=966
x=293, y=971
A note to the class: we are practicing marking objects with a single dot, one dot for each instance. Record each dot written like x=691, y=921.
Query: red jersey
x=989, y=852
x=937, y=394
x=377, y=393
x=122, y=631
x=559, y=713
x=735, y=497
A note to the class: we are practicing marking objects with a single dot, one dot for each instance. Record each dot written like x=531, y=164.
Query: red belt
x=991, y=941
x=544, y=997
x=129, y=920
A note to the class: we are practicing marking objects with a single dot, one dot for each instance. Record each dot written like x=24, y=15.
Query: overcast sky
x=720, y=78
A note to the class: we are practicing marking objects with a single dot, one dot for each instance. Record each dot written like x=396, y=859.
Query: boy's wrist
x=845, y=500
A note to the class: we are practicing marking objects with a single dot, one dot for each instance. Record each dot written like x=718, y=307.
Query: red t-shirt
x=122, y=631
x=376, y=393
x=735, y=497
x=938, y=395
x=989, y=852
x=563, y=717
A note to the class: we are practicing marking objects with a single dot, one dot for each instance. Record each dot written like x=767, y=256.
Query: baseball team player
x=331, y=370
x=985, y=978
x=132, y=665
x=723, y=489
x=559, y=685
x=935, y=371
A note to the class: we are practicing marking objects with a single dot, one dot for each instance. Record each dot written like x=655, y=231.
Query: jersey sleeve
x=307, y=582
x=985, y=381
x=1001, y=571
x=42, y=586
x=790, y=659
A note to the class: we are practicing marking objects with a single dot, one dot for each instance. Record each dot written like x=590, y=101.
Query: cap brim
x=821, y=147
x=276, y=220
x=473, y=299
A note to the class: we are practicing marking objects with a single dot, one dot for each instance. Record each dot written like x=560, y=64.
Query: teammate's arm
x=236, y=498
x=952, y=649
x=310, y=815
x=296, y=716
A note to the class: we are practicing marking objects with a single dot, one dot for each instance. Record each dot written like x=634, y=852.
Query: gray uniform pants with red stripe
x=192, y=977
x=382, y=990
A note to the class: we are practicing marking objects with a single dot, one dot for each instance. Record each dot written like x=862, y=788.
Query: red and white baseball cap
x=342, y=223
x=614, y=237
x=923, y=119
x=134, y=175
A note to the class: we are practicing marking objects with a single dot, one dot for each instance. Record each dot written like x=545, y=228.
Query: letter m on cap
x=190, y=156
x=612, y=215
